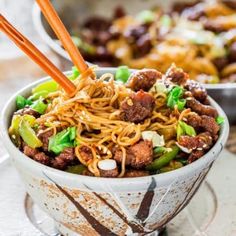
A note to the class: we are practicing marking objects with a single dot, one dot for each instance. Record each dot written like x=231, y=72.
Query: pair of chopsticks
x=28, y=48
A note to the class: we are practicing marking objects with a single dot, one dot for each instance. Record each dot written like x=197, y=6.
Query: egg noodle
x=94, y=110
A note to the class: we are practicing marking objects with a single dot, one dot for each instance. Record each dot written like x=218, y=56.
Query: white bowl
x=84, y=205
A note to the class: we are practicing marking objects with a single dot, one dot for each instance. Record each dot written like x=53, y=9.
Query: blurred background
x=16, y=70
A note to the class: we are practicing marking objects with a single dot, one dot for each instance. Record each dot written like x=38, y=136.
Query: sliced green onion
x=14, y=129
x=181, y=104
x=165, y=21
x=90, y=49
x=49, y=86
x=163, y=160
x=39, y=106
x=160, y=150
x=36, y=96
x=77, y=41
x=30, y=119
x=122, y=74
x=72, y=133
x=21, y=102
x=187, y=129
x=175, y=98
x=61, y=140
x=146, y=16
x=28, y=134
x=75, y=73
x=179, y=131
x=220, y=120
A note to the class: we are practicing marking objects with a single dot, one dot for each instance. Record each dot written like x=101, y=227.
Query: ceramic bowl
x=83, y=205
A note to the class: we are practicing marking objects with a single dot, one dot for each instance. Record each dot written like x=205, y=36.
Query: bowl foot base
x=64, y=230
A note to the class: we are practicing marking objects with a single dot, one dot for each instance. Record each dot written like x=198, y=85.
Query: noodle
x=141, y=126
x=94, y=111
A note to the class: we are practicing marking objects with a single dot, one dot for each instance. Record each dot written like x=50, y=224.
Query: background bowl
x=89, y=205
x=224, y=94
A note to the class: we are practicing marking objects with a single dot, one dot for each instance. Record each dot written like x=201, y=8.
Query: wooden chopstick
x=62, y=34
x=28, y=48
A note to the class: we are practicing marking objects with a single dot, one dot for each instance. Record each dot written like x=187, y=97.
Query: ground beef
x=220, y=62
x=195, y=155
x=201, y=109
x=143, y=46
x=195, y=13
x=36, y=155
x=42, y=158
x=98, y=38
x=209, y=124
x=119, y=12
x=64, y=159
x=137, y=107
x=197, y=90
x=97, y=23
x=102, y=54
x=102, y=38
x=138, y=155
x=180, y=6
x=109, y=173
x=176, y=75
x=27, y=111
x=85, y=153
x=230, y=3
x=232, y=52
x=44, y=137
x=213, y=26
x=136, y=173
x=204, y=123
x=195, y=121
x=143, y=79
x=133, y=33
x=28, y=151
x=202, y=141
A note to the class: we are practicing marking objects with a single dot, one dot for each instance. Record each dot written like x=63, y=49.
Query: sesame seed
x=130, y=102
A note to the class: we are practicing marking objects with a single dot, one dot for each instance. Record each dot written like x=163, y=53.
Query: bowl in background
x=84, y=205
x=224, y=94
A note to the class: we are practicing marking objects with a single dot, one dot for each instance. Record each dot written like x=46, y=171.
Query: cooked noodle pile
x=94, y=110
x=127, y=125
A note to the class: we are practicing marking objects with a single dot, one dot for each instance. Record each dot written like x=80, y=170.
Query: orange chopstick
x=28, y=48
x=62, y=34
